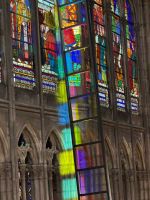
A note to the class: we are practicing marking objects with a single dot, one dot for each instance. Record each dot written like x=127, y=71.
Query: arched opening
x=125, y=164
x=25, y=173
x=141, y=175
x=52, y=148
x=110, y=165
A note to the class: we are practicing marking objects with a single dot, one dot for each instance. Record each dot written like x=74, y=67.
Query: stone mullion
x=45, y=175
x=11, y=98
x=9, y=183
x=41, y=181
x=43, y=193
x=36, y=173
x=115, y=183
x=3, y=183
x=111, y=72
x=132, y=183
x=144, y=61
x=50, y=179
x=23, y=181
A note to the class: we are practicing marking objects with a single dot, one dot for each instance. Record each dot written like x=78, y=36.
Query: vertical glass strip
x=88, y=168
x=22, y=45
x=48, y=25
x=100, y=48
x=131, y=58
x=118, y=56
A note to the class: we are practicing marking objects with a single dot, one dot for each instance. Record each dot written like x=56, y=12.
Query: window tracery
x=25, y=175
x=52, y=170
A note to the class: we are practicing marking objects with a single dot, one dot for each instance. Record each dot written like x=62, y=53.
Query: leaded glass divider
x=83, y=101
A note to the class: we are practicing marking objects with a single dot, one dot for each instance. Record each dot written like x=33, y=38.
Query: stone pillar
x=3, y=191
x=23, y=181
x=50, y=181
x=36, y=185
x=46, y=191
x=131, y=179
x=115, y=183
x=9, y=182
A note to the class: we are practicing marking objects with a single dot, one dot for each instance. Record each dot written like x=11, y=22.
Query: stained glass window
x=131, y=58
x=22, y=45
x=48, y=39
x=118, y=56
x=100, y=48
x=124, y=68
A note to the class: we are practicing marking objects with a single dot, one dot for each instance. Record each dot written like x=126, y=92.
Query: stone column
x=46, y=191
x=36, y=185
x=3, y=182
x=115, y=183
x=23, y=181
x=9, y=182
x=50, y=181
x=131, y=179
x=49, y=156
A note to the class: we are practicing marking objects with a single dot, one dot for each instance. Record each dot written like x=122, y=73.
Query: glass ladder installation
x=84, y=98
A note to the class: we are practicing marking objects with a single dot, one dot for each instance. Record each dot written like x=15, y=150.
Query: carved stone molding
x=50, y=154
x=22, y=152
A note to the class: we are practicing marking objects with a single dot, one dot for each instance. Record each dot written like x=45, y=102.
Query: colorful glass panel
x=118, y=56
x=132, y=58
x=75, y=37
x=115, y=7
x=22, y=46
x=77, y=60
x=81, y=92
x=128, y=11
x=69, y=15
x=48, y=40
x=100, y=50
x=92, y=181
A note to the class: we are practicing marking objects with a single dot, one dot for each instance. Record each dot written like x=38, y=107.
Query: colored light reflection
x=69, y=189
x=67, y=140
x=66, y=162
x=77, y=135
x=61, y=92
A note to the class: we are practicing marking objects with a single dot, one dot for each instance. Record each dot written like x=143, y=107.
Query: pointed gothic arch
x=31, y=137
x=110, y=151
x=139, y=158
x=125, y=152
x=55, y=138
